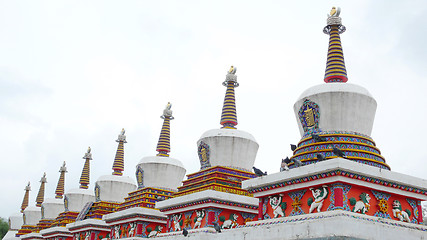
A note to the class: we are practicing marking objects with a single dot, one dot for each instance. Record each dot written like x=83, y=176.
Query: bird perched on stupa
x=338, y=152
x=258, y=172
x=217, y=227
x=293, y=147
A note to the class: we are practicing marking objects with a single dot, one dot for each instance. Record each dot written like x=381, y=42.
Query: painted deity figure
x=231, y=222
x=362, y=205
x=156, y=231
x=319, y=195
x=132, y=228
x=116, y=232
x=398, y=213
x=176, y=222
x=200, y=214
x=275, y=203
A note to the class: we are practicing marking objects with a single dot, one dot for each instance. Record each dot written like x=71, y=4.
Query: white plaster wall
x=77, y=198
x=10, y=235
x=230, y=148
x=53, y=207
x=162, y=172
x=32, y=215
x=115, y=188
x=16, y=221
x=342, y=107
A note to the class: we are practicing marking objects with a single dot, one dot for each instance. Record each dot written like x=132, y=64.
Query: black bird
x=286, y=160
x=284, y=165
x=184, y=232
x=338, y=152
x=293, y=147
x=320, y=157
x=297, y=162
x=217, y=227
x=258, y=172
x=318, y=138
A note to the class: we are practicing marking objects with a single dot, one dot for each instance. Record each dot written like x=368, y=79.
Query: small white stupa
x=52, y=207
x=75, y=199
x=115, y=187
x=155, y=168
x=228, y=146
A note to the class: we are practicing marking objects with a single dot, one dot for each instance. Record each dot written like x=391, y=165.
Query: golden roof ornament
x=167, y=113
x=88, y=154
x=333, y=16
x=122, y=136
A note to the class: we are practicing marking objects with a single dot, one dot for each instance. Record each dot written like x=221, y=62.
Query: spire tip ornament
x=167, y=113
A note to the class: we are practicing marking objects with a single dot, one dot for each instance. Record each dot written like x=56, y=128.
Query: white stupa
x=52, y=207
x=75, y=199
x=155, y=168
x=228, y=146
x=115, y=187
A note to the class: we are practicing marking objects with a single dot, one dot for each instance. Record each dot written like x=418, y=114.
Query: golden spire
x=26, y=197
x=40, y=195
x=163, y=145
x=118, y=165
x=335, y=66
x=84, y=178
x=60, y=187
x=229, y=115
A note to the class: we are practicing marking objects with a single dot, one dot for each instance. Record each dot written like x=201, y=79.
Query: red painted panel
x=338, y=192
x=139, y=229
x=211, y=217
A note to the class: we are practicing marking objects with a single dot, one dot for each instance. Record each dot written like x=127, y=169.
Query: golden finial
x=333, y=11
x=232, y=70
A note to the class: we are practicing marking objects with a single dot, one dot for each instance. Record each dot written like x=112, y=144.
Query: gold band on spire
x=60, y=187
x=229, y=115
x=84, y=178
x=163, y=145
x=118, y=165
x=40, y=195
x=26, y=197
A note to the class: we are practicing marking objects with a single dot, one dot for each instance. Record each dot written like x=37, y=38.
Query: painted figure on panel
x=277, y=205
x=362, y=205
x=230, y=223
x=319, y=195
x=177, y=222
x=200, y=214
x=153, y=233
x=398, y=213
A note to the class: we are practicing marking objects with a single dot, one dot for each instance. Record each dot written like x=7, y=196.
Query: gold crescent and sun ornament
x=232, y=70
x=335, y=12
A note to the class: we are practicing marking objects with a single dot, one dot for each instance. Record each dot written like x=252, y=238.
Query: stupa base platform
x=56, y=233
x=26, y=229
x=65, y=218
x=32, y=236
x=202, y=209
x=340, y=184
x=338, y=224
x=92, y=229
x=136, y=222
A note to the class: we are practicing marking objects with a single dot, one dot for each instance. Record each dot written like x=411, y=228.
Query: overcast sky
x=74, y=73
